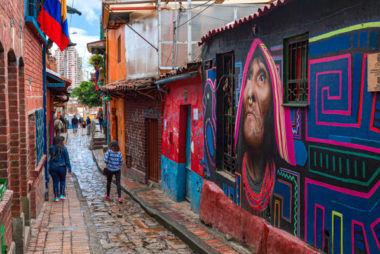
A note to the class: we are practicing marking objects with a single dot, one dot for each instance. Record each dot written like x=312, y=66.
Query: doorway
x=185, y=146
x=152, y=152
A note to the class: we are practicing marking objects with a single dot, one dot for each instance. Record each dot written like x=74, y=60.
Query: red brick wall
x=34, y=101
x=135, y=115
x=6, y=216
x=4, y=119
x=37, y=189
x=11, y=12
x=14, y=117
x=33, y=71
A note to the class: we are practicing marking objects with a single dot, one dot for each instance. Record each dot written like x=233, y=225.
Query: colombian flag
x=53, y=21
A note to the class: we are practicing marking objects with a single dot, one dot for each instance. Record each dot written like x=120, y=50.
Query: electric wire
x=196, y=15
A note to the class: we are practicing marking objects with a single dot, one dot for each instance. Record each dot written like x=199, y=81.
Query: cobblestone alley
x=118, y=228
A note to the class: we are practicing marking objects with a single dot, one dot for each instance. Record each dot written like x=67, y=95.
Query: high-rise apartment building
x=69, y=65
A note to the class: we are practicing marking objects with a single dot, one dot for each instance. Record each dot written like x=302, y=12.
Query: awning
x=176, y=78
x=58, y=85
x=97, y=47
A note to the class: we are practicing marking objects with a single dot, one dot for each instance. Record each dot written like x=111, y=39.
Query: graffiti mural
x=343, y=145
x=313, y=171
x=263, y=131
x=209, y=118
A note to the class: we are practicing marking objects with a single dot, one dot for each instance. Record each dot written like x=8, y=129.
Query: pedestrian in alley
x=58, y=126
x=101, y=121
x=74, y=123
x=114, y=161
x=59, y=162
x=83, y=124
x=88, y=124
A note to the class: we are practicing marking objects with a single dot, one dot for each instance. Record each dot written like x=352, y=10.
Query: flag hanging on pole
x=53, y=21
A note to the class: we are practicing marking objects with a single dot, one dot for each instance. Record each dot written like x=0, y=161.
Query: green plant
x=87, y=95
x=97, y=61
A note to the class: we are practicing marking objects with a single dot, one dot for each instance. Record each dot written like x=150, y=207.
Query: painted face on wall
x=263, y=129
x=256, y=102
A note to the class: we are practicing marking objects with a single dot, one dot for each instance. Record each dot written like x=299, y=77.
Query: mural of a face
x=263, y=130
x=256, y=101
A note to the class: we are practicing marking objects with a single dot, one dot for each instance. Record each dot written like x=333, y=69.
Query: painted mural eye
x=262, y=78
x=250, y=100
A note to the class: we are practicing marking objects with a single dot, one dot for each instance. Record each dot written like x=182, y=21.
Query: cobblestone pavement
x=121, y=228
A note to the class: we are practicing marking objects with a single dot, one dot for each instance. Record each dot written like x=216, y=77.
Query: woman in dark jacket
x=59, y=161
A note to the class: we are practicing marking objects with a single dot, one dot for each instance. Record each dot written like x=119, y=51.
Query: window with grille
x=40, y=137
x=226, y=156
x=296, y=51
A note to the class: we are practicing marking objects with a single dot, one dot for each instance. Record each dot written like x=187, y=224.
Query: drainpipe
x=159, y=35
x=189, y=45
x=45, y=123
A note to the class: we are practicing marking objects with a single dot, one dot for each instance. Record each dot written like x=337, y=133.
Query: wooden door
x=152, y=150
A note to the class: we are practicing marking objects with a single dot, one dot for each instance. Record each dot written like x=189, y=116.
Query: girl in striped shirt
x=114, y=161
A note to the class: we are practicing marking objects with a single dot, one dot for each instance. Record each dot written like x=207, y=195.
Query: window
x=296, y=51
x=118, y=49
x=34, y=7
x=40, y=137
x=226, y=156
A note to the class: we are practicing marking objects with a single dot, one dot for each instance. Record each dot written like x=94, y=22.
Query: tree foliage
x=87, y=95
x=97, y=61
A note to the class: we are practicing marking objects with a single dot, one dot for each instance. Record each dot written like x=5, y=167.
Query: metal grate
x=40, y=139
x=227, y=84
x=296, y=70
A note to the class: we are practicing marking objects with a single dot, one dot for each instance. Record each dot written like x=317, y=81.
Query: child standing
x=114, y=161
x=59, y=162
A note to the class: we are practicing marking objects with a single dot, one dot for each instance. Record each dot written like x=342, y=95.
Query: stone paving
x=121, y=228
x=178, y=215
x=60, y=227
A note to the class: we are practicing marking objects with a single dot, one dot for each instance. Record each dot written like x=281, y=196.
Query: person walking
x=114, y=161
x=101, y=122
x=88, y=124
x=74, y=123
x=59, y=162
x=58, y=126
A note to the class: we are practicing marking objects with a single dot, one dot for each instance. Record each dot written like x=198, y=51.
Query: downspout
x=45, y=123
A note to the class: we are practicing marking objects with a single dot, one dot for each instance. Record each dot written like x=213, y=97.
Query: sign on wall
x=374, y=72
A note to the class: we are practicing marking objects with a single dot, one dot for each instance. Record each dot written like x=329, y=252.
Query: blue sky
x=84, y=28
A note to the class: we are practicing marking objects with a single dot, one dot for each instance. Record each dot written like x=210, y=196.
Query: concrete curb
x=195, y=243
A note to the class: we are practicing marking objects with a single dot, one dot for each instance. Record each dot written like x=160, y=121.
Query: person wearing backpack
x=114, y=161
x=59, y=162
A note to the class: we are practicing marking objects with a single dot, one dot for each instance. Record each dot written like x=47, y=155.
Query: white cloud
x=81, y=38
x=89, y=9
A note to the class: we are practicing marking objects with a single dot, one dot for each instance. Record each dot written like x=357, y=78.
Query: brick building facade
x=21, y=106
x=139, y=115
x=11, y=55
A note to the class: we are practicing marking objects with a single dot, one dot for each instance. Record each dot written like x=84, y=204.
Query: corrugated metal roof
x=262, y=11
